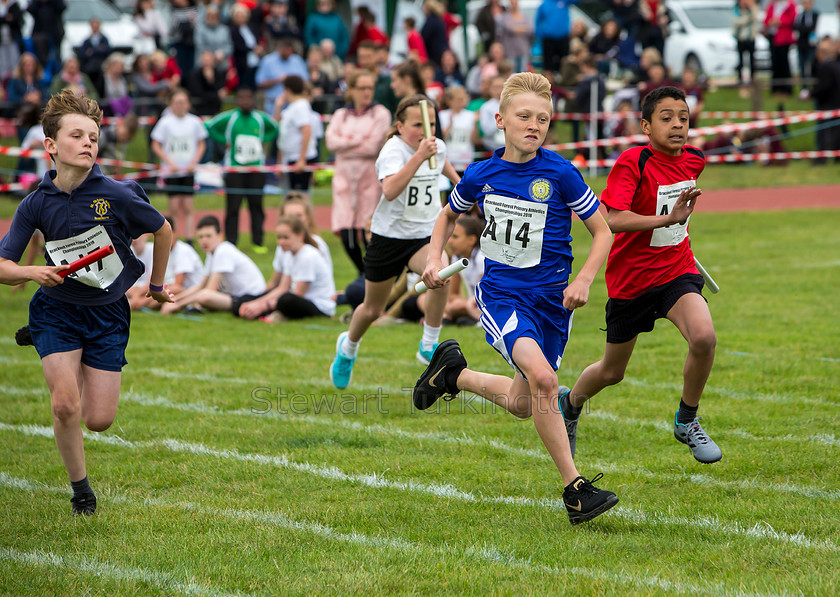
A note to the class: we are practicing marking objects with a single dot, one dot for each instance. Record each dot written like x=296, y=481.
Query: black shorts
x=180, y=185
x=627, y=318
x=387, y=257
x=238, y=301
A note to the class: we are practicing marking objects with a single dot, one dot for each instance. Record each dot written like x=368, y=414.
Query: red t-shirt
x=648, y=182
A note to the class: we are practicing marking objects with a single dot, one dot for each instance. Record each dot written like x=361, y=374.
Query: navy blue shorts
x=101, y=331
x=508, y=315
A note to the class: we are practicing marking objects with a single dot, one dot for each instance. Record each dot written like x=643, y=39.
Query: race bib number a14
x=100, y=274
x=666, y=197
x=513, y=234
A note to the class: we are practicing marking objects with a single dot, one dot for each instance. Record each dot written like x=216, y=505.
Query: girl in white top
x=306, y=287
x=400, y=229
x=297, y=141
x=296, y=206
x=457, y=125
x=178, y=139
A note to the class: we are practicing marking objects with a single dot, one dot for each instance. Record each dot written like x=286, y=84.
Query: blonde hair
x=524, y=83
x=307, y=206
x=66, y=102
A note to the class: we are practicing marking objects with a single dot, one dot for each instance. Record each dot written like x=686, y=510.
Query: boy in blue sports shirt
x=79, y=324
x=527, y=195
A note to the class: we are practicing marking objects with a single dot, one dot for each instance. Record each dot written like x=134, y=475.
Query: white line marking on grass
x=486, y=554
x=463, y=439
x=448, y=491
x=167, y=582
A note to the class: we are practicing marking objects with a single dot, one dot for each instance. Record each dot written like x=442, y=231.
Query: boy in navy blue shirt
x=79, y=324
x=527, y=195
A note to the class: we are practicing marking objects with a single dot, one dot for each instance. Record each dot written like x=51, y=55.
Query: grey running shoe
x=702, y=446
x=571, y=424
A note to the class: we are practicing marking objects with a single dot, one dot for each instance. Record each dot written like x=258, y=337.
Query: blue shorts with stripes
x=539, y=314
x=101, y=331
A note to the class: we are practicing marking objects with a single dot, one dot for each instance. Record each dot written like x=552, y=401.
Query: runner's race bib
x=666, y=197
x=247, y=149
x=100, y=274
x=422, y=199
x=513, y=234
x=180, y=149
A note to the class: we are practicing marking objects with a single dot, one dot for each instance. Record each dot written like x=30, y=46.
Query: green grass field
x=201, y=491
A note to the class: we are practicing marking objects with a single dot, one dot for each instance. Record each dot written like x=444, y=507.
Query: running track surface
x=720, y=201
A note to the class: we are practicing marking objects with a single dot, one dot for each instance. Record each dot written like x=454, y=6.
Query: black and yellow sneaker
x=440, y=376
x=83, y=504
x=584, y=501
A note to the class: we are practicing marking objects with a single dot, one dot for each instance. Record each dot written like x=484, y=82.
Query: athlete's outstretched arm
x=577, y=292
x=444, y=225
x=630, y=221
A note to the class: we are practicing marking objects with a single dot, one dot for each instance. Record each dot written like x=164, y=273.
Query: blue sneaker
x=341, y=371
x=424, y=357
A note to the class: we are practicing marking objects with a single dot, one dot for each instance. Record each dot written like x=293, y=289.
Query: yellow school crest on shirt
x=540, y=189
x=101, y=207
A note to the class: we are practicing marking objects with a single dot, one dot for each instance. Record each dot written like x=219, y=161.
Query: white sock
x=430, y=337
x=349, y=348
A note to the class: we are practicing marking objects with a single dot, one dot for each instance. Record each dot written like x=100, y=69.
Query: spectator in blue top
x=433, y=31
x=552, y=26
x=92, y=54
x=326, y=24
x=275, y=67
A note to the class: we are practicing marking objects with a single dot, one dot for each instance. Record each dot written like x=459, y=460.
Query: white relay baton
x=447, y=272
x=709, y=280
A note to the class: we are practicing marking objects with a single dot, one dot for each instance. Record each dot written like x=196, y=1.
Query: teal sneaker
x=705, y=450
x=341, y=371
x=424, y=357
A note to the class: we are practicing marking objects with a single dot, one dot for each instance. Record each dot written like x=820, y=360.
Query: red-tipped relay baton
x=85, y=261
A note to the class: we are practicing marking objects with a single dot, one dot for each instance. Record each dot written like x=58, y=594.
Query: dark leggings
x=353, y=239
x=247, y=186
x=292, y=306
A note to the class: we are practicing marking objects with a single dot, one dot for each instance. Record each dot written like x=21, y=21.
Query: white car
x=701, y=37
x=119, y=27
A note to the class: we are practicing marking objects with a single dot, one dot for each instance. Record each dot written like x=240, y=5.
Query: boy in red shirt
x=651, y=192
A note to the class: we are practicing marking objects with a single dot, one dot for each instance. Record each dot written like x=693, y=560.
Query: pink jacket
x=782, y=35
x=356, y=140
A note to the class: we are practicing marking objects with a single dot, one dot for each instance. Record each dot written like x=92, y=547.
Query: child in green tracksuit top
x=244, y=131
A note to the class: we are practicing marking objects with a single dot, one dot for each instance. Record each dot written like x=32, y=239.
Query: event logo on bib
x=101, y=207
x=540, y=190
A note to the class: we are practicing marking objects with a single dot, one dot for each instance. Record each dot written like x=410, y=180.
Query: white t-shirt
x=491, y=136
x=474, y=271
x=146, y=257
x=183, y=259
x=34, y=139
x=308, y=265
x=412, y=213
x=323, y=248
x=179, y=137
x=296, y=115
x=240, y=275
x=459, y=145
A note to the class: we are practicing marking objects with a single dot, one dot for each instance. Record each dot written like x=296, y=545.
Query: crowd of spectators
x=211, y=48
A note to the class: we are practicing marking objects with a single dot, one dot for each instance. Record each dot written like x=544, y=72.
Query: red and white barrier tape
x=708, y=130
x=760, y=114
x=733, y=158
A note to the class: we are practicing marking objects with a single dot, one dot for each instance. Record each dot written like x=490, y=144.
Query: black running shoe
x=84, y=504
x=584, y=501
x=23, y=337
x=432, y=384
